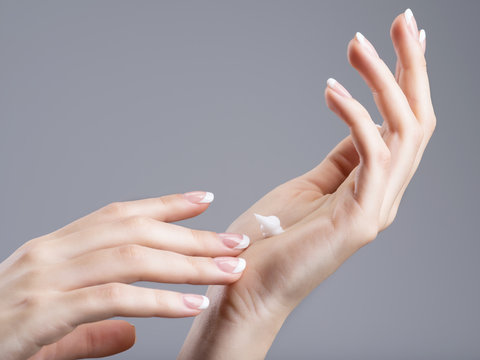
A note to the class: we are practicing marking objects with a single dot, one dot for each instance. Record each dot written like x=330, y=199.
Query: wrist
x=241, y=330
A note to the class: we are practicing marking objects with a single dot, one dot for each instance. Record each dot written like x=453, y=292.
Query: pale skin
x=57, y=291
x=330, y=212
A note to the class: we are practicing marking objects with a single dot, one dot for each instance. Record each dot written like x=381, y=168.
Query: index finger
x=168, y=208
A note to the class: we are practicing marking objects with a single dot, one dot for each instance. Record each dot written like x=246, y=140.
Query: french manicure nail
x=366, y=44
x=232, y=265
x=235, y=241
x=422, y=36
x=197, y=302
x=338, y=88
x=411, y=23
x=199, y=197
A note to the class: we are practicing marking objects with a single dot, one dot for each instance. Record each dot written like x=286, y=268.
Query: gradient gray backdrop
x=114, y=100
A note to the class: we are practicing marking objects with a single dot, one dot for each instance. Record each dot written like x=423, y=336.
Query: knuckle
x=116, y=208
x=34, y=279
x=195, y=269
x=199, y=239
x=130, y=253
x=136, y=223
x=159, y=299
x=111, y=293
x=165, y=201
x=32, y=301
x=35, y=252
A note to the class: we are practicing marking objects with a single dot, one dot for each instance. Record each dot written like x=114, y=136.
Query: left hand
x=329, y=212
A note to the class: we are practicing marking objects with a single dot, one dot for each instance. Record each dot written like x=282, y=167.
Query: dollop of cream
x=269, y=225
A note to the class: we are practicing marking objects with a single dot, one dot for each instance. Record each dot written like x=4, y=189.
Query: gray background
x=115, y=100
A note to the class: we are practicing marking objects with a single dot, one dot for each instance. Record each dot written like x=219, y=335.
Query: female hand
x=331, y=211
x=79, y=275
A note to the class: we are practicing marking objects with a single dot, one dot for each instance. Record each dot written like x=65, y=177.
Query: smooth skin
x=330, y=212
x=58, y=291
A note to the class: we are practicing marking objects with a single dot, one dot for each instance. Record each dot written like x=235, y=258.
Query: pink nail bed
x=232, y=265
x=197, y=302
x=199, y=197
x=338, y=88
x=367, y=45
x=235, y=241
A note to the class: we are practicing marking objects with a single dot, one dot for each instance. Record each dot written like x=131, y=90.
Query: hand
x=57, y=291
x=329, y=212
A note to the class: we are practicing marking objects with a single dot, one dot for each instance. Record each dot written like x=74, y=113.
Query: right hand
x=57, y=291
x=329, y=212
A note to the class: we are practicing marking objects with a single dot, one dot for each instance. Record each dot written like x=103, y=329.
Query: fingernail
x=338, y=88
x=232, y=265
x=199, y=197
x=366, y=44
x=411, y=23
x=422, y=36
x=197, y=302
x=235, y=241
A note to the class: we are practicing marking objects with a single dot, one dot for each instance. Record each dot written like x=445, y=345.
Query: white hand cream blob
x=269, y=225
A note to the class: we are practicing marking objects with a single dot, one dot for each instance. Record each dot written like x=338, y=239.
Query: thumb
x=92, y=340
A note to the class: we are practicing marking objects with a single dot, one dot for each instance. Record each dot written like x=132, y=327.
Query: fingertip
x=356, y=54
x=422, y=38
x=398, y=27
x=199, y=197
x=126, y=336
x=196, y=302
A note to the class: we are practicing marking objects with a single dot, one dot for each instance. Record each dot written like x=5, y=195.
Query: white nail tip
x=208, y=198
x=240, y=266
x=408, y=16
x=360, y=37
x=244, y=243
x=205, y=303
x=422, y=36
x=331, y=82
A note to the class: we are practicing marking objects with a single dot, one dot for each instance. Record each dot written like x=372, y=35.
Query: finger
x=100, y=339
x=414, y=82
x=404, y=134
x=413, y=78
x=102, y=302
x=372, y=150
x=131, y=263
x=168, y=208
x=388, y=96
x=148, y=232
x=335, y=168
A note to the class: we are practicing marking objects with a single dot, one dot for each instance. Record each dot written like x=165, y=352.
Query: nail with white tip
x=365, y=43
x=197, y=302
x=233, y=265
x=235, y=241
x=408, y=16
x=360, y=37
x=199, y=197
x=338, y=88
x=422, y=36
x=411, y=23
